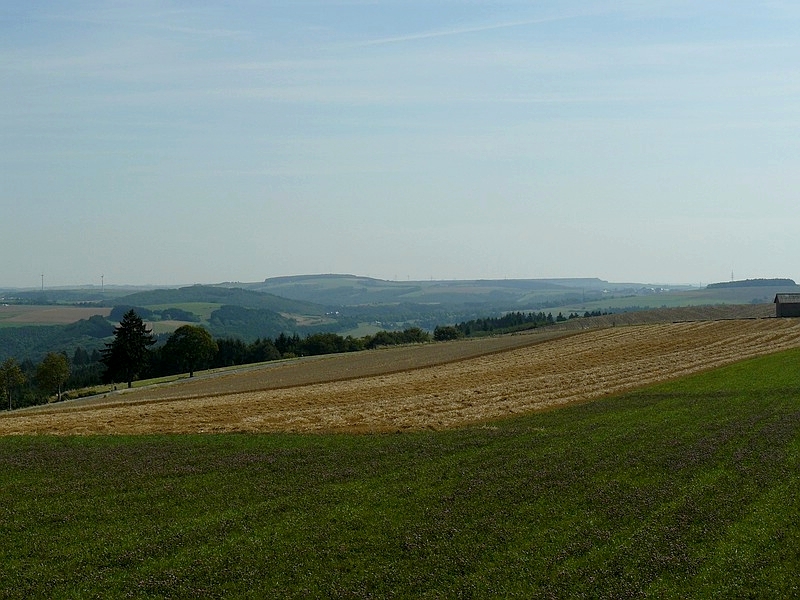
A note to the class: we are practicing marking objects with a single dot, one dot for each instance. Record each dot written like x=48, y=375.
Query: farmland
x=19, y=315
x=420, y=387
x=684, y=489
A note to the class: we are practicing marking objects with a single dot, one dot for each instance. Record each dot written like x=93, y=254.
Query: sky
x=182, y=142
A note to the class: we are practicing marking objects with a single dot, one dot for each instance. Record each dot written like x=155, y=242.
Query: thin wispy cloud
x=456, y=31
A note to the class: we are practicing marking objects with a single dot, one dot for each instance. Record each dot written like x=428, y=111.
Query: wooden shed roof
x=787, y=298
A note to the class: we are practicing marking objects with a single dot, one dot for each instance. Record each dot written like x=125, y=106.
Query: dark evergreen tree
x=230, y=351
x=288, y=346
x=127, y=356
x=80, y=357
x=261, y=351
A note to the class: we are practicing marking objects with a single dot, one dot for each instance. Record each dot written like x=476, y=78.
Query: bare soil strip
x=382, y=391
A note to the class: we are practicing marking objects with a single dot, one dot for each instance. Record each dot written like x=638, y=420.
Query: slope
x=366, y=391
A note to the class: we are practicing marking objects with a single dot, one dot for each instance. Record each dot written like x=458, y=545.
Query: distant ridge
x=345, y=277
x=746, y=283
x=338, y=290
x=222, y=295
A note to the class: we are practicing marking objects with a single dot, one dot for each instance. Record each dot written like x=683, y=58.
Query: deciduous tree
x=446, y=332
x=190, y=347
x=53, y=372
x=11, y=377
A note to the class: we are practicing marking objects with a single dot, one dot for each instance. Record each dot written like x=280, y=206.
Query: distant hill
x=352, y=290
x=751, y=283
x=354, y=305
x=66, y=295
x=248, y=324
x=33, y=342
x=220, y=295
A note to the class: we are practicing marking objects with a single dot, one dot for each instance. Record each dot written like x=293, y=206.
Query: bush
x=446, y=332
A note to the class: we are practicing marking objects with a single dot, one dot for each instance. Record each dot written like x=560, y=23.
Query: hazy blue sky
x=190, y=141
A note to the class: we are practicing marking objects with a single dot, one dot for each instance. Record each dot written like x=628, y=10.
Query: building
x=787, y=305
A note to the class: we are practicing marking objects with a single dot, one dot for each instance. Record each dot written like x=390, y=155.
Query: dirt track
x=389, y=391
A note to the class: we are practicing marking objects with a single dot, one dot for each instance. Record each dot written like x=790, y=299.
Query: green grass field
x=201, y=309
x=686, y=489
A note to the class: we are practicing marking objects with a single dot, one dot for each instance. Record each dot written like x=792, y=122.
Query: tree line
x=27, y=384
x=134, y=353
x=508, y=323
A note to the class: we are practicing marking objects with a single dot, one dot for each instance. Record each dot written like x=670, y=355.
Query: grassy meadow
x=686, y=489
x=201, y=309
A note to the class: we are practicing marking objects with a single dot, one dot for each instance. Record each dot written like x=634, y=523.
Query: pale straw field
x=429, y=386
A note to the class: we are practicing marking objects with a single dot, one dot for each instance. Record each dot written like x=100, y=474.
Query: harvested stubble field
x=18, y=315
x=429, y=386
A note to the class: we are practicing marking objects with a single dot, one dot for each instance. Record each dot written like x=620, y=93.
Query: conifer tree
x=128, y=355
